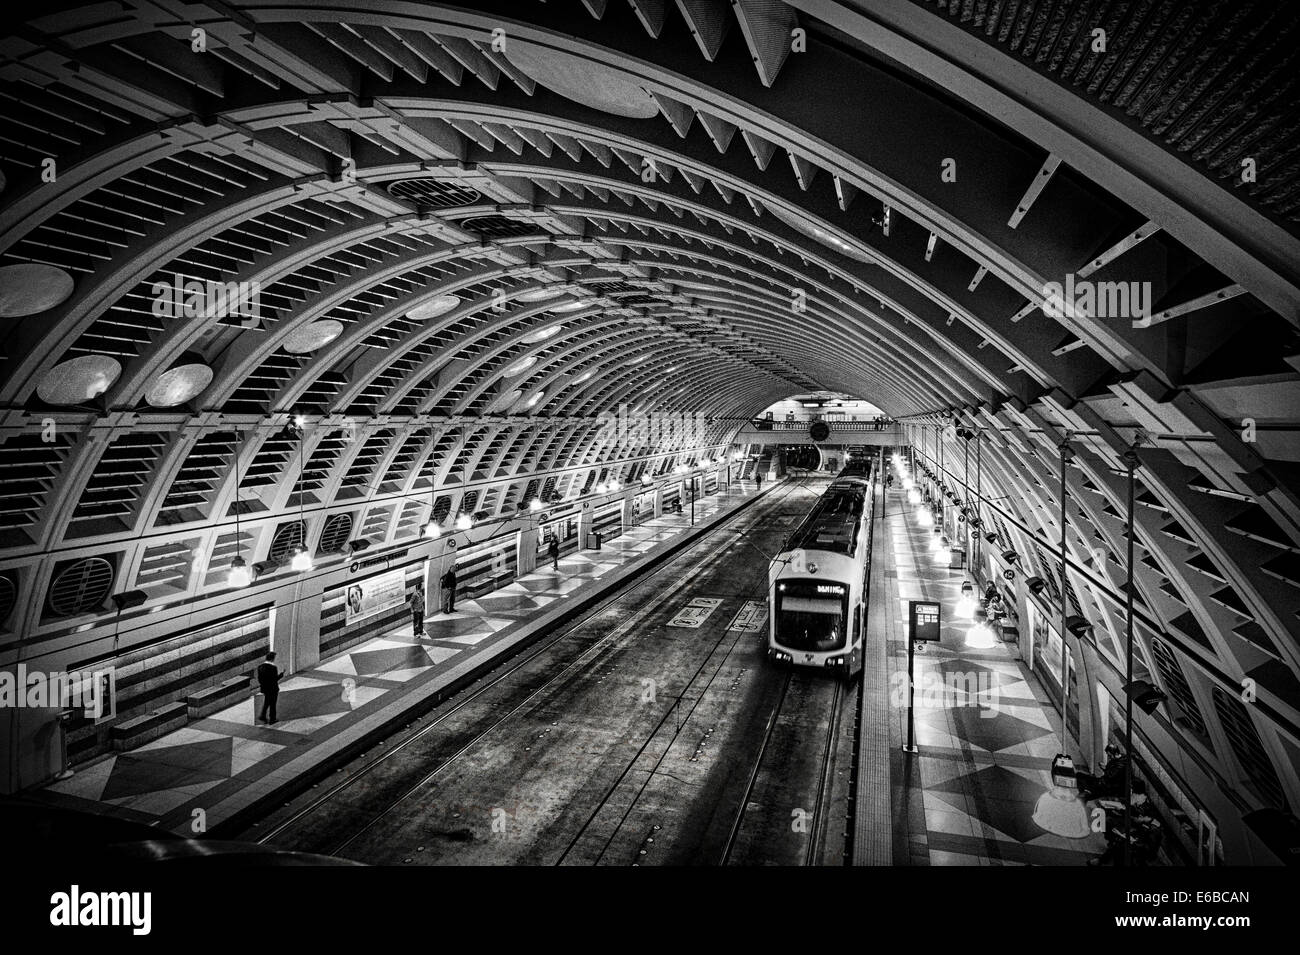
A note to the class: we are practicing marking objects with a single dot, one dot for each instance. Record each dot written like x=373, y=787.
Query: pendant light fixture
x=301, y=559
x=239, y=574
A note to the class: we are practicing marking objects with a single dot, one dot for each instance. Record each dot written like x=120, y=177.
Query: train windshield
x=810, y=623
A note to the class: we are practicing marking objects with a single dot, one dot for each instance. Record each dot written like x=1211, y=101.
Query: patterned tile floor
x=985, y=730
x=165, y=781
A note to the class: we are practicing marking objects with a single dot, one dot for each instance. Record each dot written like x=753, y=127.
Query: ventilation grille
x=409, y=523
x=1179, y=689
x=356, y=482
x=8, y=596
x=434, y=193
x=166, y=567
x=190, y=496
x=227, y=548
x=109, y=498
x=81, y=587
x=28, y=466
x=499, y=227
x=1249, y=750
x=334, y=536
x=288, y=538
x=375, y=527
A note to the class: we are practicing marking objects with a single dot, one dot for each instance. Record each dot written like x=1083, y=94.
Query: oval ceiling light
x=439, y=305
x=571, y=306
x=821, y=235
x=584, y=377
x=31, y=287
x=532, y=338
x=178, y=385
x=79, y=379
x=504, y=401
x=534, y=401
x=542, y=294
x=520, y=366
x=313, y=336
x=583, y=81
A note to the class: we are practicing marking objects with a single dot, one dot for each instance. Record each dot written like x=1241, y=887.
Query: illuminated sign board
x=923, y=620
x=829, y=589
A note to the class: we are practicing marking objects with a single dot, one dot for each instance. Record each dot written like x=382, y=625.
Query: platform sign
x=695, y=613
x=923, y=620
x=752, y=617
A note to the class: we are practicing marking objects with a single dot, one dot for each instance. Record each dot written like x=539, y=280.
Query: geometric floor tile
x=369, y=662
x=170, y=766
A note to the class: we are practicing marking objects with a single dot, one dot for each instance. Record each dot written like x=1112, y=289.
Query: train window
x=810, y=623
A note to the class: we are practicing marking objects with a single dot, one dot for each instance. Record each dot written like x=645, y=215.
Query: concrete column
x=584, y=524
x=296, y=634
x=659, y=502
x=625, y=516
x=526, y=549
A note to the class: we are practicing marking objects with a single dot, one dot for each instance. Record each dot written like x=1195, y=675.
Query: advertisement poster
x=370, y=596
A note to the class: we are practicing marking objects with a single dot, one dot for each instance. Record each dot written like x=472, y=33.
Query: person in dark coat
x=553, y=552
x=416, y=600
x=448, y=583
x=268, y=680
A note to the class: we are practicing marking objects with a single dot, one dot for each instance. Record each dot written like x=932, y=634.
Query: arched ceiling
x=732, y=202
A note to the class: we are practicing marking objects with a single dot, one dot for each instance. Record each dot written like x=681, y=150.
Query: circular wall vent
x=288, y=537
x=81, y=587
x=8, y=596
x=819, y=431
x=334, y=536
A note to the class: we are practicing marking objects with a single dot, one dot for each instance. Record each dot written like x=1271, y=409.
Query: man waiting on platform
x=268, y=680
x=448, y=584
x=416, y=599
x=553, y=552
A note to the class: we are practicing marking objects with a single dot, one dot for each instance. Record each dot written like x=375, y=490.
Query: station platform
x=968, y=796
x=215, y=772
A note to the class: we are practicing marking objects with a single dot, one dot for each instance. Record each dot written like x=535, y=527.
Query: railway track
x=342, y=793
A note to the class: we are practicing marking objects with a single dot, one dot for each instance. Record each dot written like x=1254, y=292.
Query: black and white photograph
x=786, y=446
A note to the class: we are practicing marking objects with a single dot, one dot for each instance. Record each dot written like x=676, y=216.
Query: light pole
x=1067, y=453
x=1131, y=463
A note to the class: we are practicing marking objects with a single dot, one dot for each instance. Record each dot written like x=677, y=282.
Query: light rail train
x=817, y=584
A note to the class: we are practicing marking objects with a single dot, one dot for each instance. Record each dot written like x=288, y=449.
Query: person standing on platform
x=268, y=680
x=416, y=599
x=553, y=552
x=758, y=481
x=448, y=583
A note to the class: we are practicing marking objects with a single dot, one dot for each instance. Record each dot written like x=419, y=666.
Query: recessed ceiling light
x=571, y=306
x=532, y=338
x=583, y=80
x=542, y=294
x=28, y=288
x=440, y=305
x=311, y=337
x=520, y=366
x=79, y=379
x=504, y=401
x=178, y=385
